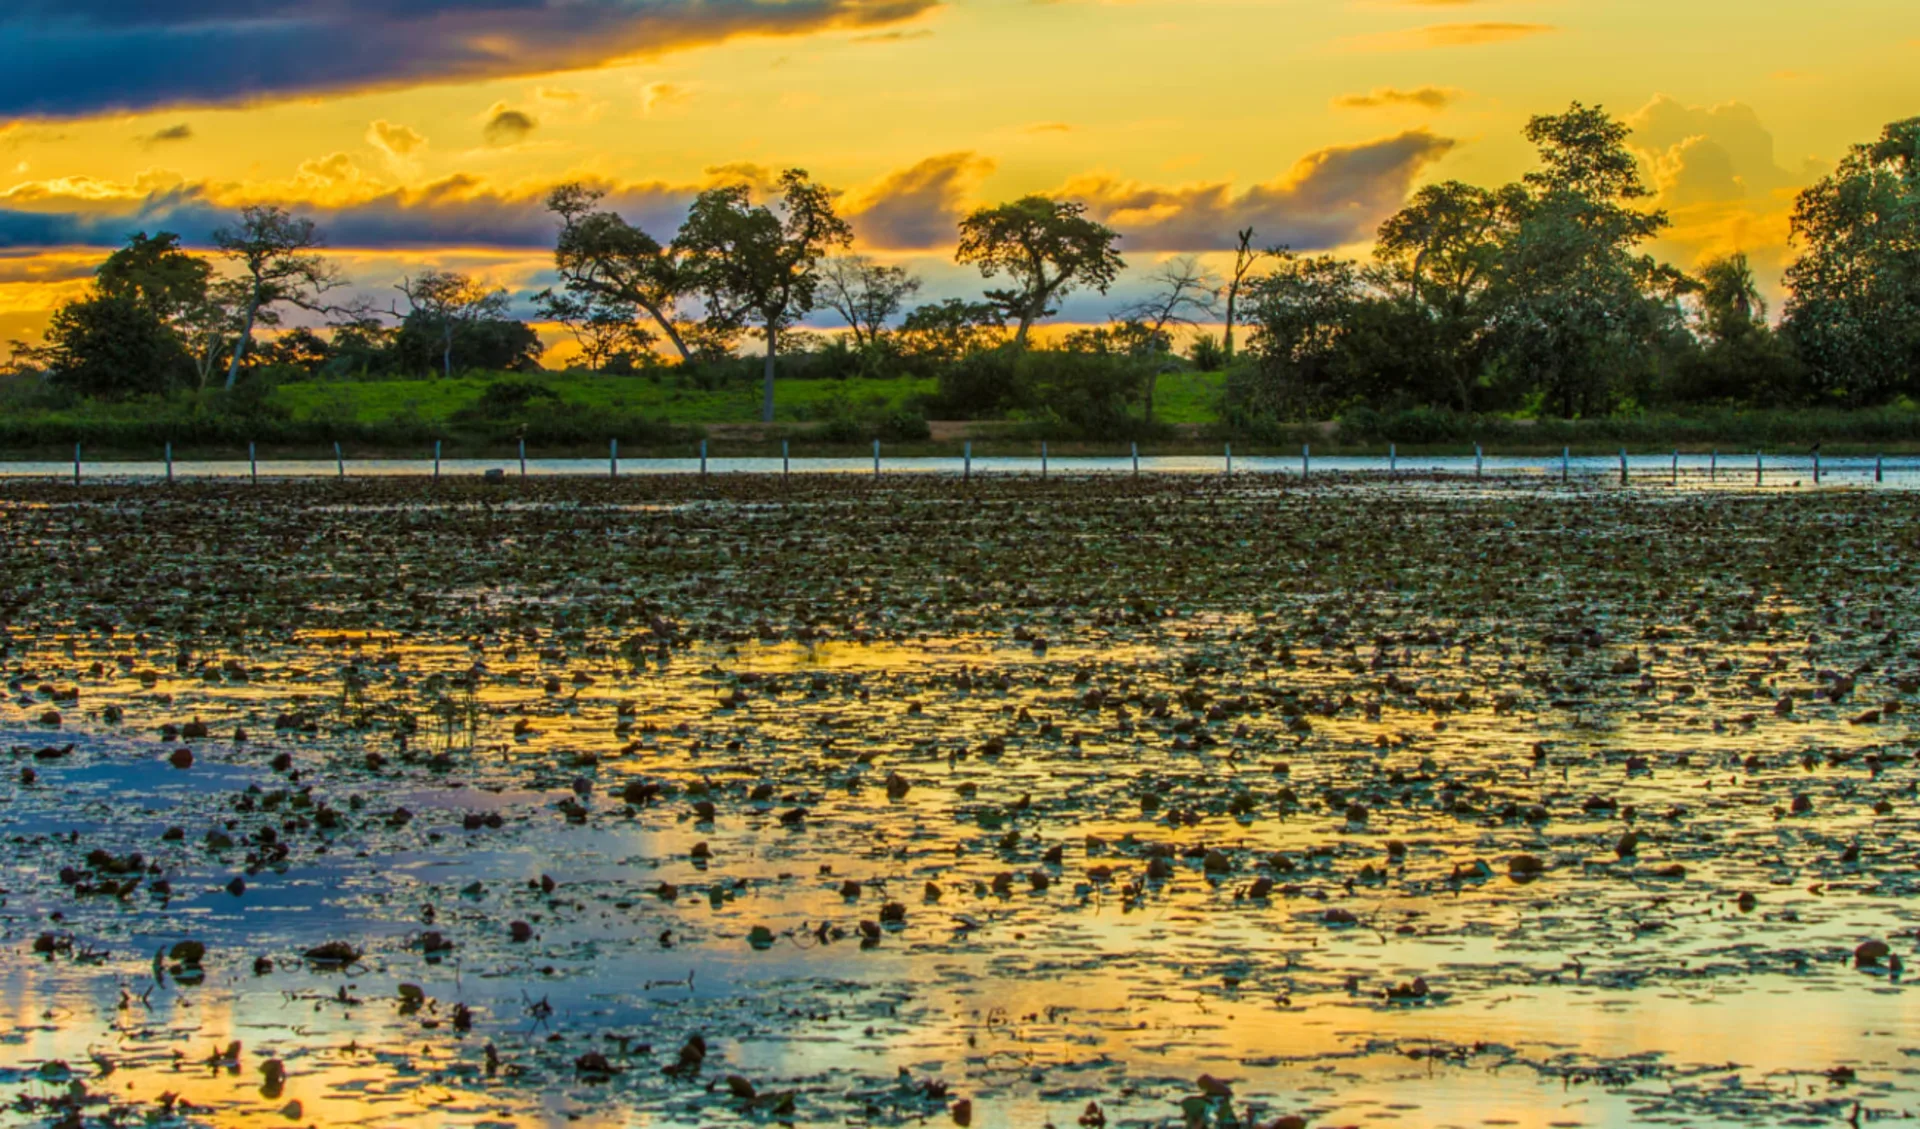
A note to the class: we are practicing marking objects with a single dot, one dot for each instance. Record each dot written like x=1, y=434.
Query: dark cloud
x=1331, y=198
x=455, y=212
x=181, y=132
x=917, y=207
x=78, y=57
x=506, y=127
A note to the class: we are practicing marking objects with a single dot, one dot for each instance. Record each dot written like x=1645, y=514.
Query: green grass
x=1189, y=397
x=665, y=397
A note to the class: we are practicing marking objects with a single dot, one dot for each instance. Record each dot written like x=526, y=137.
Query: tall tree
x=1854, y=308
x=1047, y=248
x=449, y=303
x=601, y=255
x=156, y=271
x=1582, y=312
x=275, y=251
x=759, y=263
x=865, y=294
x=1440, y=255
x=1246, y=259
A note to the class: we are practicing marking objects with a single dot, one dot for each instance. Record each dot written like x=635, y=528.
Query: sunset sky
x=426, y=133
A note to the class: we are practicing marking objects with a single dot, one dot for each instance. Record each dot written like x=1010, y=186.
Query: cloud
x=455, y=212
x=80, y=57
x=1716, y=172
x=1447, y=35
x=1331, y=198
x=917, y=207
x=181, y=132
x=396, y=141
x=894, y=36
x=507, y=127
x=1425, y=97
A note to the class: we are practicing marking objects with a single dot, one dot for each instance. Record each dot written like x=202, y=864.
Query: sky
x=425, y=133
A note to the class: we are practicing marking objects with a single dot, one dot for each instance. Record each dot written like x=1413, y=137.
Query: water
x=1690, y=470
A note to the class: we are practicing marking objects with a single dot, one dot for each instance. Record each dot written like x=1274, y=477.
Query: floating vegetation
x=1170, y=803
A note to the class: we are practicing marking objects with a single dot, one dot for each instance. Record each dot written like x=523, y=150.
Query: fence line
x=1271, y=465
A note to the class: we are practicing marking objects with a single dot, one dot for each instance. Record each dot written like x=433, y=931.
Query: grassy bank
x=670, y=414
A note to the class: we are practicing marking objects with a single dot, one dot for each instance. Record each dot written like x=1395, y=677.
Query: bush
x=904, y=425
x=1208, y=354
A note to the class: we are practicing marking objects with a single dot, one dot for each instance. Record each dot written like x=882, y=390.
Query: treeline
x=1534, y=299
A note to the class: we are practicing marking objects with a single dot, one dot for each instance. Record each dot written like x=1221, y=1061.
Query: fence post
x=339, y=461
x=169, y=462
x=1393, y=458
x=1713, y=466
x=1229, y=461
x=1478, y=460
x=523, y=458
x=703, y=458
x=1136, y=460
x=1623, y=466
x=1878, y=474
x=876, y=459
x=1676, y=468
x=253, y=464
x=786, y=464
x=966, y=470
x=436, y=460
x=1306, y=460
x=76, y=464
x=1757, y=457
x=1816, y=467
x=613, y=458
x=1566, y=460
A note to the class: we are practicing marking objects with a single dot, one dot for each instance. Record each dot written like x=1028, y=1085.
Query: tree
x=113, y=345
x=487, y=343
x=1182, y=293
x=1737, y=357
x=1301, y=313
x=951, y=329
x=865, y=294
x=1440, y=255
x=275, y=253
x=607, y=330
x=1047, y=248
x=1853, y=312
x=1580, y=313
x=1246, y=258
x=600, y=255
x=753, y=263
x=158, y=273
x=450, y=304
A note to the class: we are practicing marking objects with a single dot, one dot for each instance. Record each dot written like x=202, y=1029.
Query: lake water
x=1728, y=469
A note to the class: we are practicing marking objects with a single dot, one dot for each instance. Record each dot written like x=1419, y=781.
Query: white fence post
x=436, y=460
x=876, y=458
x=1229, y=461
x=1306, y=460
x=613, y=458
x=703, y=458
x=339, y=461
x=1623, y=466
x=253, y=464
x=786, y=463
x=169, y=462
x=966, y=469
x=523, y=458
